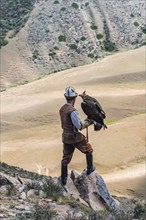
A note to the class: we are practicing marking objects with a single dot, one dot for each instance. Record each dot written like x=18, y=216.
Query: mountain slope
x=62, y=34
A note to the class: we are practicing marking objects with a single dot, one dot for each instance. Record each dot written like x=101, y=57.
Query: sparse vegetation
x=52, y=54
x=74, y=5
x=99, y=36
x=144, y=30
x=56, y=48
x=43, y=212
x=73, y=46
x=14, y=15
x=83, y=38
x=109, y=46
x=56, y=2
x=63, y=9
x=3, y=42
x=93, y=27
x=62, y=38
x=132, y=15
x=136, y=24
x=91, y=55
x=87, y=3
x=35, y=55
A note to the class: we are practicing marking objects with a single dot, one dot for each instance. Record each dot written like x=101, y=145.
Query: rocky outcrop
x=62, y=34
x=26, y=195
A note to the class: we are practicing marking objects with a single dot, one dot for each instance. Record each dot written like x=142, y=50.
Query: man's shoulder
x=68, y=108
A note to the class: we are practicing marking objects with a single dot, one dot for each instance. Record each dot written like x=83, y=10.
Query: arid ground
x=31, y=131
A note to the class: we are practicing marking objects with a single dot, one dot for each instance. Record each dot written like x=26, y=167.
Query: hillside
x=27, y=195
x=31, y=131
x=49, y=36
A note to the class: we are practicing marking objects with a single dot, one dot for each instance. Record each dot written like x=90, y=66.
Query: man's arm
x=77, y=121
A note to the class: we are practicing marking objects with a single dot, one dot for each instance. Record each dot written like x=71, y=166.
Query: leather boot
x=64, y=174
x=90, y=166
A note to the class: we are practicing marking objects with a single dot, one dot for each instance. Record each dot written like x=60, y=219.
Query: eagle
x=92, y=108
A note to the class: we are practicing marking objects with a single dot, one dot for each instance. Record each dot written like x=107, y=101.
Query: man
x=71, y=137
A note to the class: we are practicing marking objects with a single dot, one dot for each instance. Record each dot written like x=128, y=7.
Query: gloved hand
x=86, y=123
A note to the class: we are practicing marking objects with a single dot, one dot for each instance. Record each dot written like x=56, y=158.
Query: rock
x=42, y=194
x=32, y=193
x=5, y=190
x=23, y=196
x=22, y=188
x=11, y=179
x=93, y=190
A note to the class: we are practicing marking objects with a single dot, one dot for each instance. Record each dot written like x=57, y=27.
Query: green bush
x=35, y=55
x=3, y=42
x=136, y=24
x=132, y=15
x=91, y=55
x=93, y=27
x=87, y=3
x=62, y=38
x=75, y=5
x=56, y=2
x=109, y=46
x=73, y=46
x=99, y=36
x=82, y=38
x=56, y=48
x=63, y=9
x=144, y=30
x=52, y=54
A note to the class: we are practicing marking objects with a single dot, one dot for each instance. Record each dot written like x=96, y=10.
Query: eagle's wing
x=88, y=109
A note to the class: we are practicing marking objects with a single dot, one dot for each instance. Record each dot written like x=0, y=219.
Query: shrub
x=99, y=36
x=56, y=48
x=91, y=55
x=56, y=2
x=82, y=38
x=132, y=15
x=3, y=42
x=43, y=212
x=136, y=24
x=75, y=5
x=63, y=9
x=35, y=55
x=73, y=46
x=87, y=3
x=52, y=54
x=109, y=46
x=144, y=30
x=62, y=38
x=93, y=27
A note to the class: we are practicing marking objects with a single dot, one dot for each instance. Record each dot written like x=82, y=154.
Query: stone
x=5, y=190
x=23, y=196
x=32, y=193
x=93, y=190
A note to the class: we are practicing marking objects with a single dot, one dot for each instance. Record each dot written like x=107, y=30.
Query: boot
x=90, y=166
x=64, y=174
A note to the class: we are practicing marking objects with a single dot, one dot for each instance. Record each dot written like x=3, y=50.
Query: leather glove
x=86, y=123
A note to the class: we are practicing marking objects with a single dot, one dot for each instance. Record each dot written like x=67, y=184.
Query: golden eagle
x=92, y=108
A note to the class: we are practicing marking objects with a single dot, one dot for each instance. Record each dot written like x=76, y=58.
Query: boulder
x=93, y=190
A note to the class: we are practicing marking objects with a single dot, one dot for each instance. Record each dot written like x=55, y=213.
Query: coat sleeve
x=76, y=119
